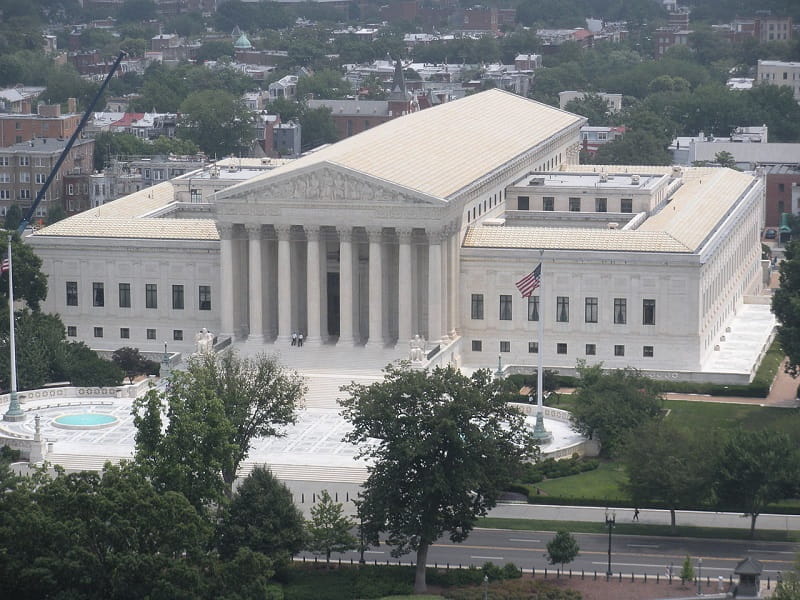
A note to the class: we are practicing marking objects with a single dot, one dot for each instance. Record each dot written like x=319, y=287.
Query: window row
x=150, y=295
x=591, y=310
x=561, y=348
x=125, y=333
x=576, y=204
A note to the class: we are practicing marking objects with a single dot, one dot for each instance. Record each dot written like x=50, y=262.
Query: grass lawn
x=603, y=483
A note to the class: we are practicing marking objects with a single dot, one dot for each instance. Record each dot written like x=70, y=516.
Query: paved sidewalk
x=596, y=514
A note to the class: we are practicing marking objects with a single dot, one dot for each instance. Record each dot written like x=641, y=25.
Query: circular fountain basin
x=85, y=421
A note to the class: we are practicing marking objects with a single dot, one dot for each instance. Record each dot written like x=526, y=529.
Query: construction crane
x=40, y=195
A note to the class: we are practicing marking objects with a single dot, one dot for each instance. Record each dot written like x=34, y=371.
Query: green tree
x=562, y=549
x=669, y=466
x=754, y=469
x=215, y=409
x=444, y=446
x=788, y=586
x=262, y=517
x=611, y=404
x=213, y=51
x=786, y=306
x=329, y=529
x=55, y=213
x=634, y=148
x=326, y=84
x=131, y=361
x=591, y=106
x=687, y=571
x=30, y=284
x=317, y=127
x=97, y=536
x=13, y=217
x=136, y=11
x=725, y=159
x=217, y=122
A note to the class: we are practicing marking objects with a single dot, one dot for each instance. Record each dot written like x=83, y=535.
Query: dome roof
x=243, y=43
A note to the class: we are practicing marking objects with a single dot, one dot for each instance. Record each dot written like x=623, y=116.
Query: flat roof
x=597, y=180
x=682, y=225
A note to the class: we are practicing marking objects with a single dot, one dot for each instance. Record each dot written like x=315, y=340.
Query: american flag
x=4, y=266
x=530, y=282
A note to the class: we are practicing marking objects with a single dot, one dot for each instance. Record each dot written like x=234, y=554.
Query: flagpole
x=14, y=412
x=540, y=434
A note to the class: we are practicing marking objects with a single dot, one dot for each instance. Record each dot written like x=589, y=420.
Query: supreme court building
x=421, y=226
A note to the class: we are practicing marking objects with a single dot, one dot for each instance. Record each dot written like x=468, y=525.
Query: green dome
x=243, y=43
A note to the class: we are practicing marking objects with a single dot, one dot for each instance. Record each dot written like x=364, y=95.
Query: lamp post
x=699, y=574
x=610, y=521
x=361, y=548
x=485, y=587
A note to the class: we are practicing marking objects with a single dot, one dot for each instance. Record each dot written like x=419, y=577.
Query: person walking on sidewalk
x=635, y=514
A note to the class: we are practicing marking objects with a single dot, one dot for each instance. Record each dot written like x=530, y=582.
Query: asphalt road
x=629, y=554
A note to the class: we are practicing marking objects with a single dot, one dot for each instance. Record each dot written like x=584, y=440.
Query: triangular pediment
x=325, y=184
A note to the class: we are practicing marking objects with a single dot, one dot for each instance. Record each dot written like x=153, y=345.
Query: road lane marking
x=374, y=552
x=488, y=557
x=661, y=566
x=770, y=551
x=643, y=546
x=524, y=540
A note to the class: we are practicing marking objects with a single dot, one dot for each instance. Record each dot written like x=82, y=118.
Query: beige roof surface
x=120, y=219
x=694, y=211
x=440, y=150
x=571, y=238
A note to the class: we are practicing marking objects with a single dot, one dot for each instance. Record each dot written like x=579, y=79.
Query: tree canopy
x=754, y=469
x=562, y=549
x=219, y=123
x=214, y=410
x=611, y=404
x=786, y=306
x=329, y=529
x=444, y=445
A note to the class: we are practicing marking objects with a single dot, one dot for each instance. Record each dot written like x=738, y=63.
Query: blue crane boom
x=40, y=195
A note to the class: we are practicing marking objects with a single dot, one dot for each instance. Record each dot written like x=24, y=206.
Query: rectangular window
x=98, y=294
x=72, y=293
x=561, y=348
x=151, y=334
x=124, y=295
x=781, y=188
x=24, y=194
x=124, y=333
x=601, y=204
x=5, y=177
x=591, y=349
x=177, y=297
x=24, y=177
x=548, y=203
x=204, y=301
x=477, y=307
x=575, y=204
x=70, y=190
x=505, y=307
x=562, y=309
x=533, y=347
x=24, y=161
x=626, y=205
x=533, y=308
x=177, y=335
x=477, y=345
x=151, y=295
x=3, y=161
x=5, y=194
x=590, y=310
x=523, y=203
x=648, y=311
x=72, y=331
x=41, y=178
x=619, y=350
x=505, y=346
x=98, y=332
x=620, y=311
x=647, y=351
x=195, y=196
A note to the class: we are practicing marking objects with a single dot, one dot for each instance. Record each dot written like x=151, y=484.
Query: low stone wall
x=449, y=354
x=582, y=448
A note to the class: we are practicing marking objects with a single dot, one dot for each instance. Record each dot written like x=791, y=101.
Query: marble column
x=284, y=284
x=345, y=285
x=455, y=247
x=375, y=287
x=435, y=286
x=226, y=277
x=405, y=287
x=255, y=286
x=314, y=334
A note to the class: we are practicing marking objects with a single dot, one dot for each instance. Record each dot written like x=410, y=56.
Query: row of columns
x=442, y=283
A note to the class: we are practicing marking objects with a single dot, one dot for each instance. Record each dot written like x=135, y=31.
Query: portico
x=338, y=283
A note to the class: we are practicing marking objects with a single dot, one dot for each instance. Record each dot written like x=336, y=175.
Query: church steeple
x=399, y=103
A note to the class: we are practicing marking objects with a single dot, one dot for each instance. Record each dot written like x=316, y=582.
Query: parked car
x=770, y=234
